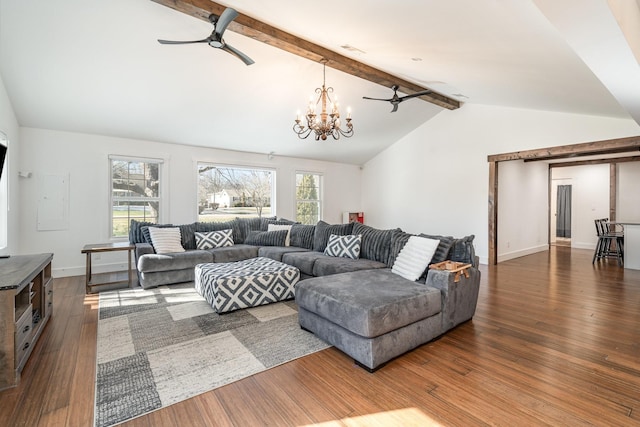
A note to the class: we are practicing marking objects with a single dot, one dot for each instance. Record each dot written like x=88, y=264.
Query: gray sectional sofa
x=359, y=305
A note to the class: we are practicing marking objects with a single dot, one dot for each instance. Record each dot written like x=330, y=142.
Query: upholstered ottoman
x=231, y=286
x=373, y=316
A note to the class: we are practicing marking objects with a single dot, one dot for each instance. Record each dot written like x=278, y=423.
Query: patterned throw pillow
x=414, y=257
x=166, y=239
x=214, y=239
x=276, y=227
x=344, y=246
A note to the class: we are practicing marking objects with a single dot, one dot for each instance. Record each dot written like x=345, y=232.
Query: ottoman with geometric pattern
x=231, y=286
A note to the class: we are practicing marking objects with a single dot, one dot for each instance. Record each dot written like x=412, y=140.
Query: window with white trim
x=308, y=197
x=135, y=192
x=227, y=192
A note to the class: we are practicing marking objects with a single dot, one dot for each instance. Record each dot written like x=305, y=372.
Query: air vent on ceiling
x=352, y=49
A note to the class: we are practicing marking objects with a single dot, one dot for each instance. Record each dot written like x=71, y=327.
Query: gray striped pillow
x=267, y=238
x=376, y=244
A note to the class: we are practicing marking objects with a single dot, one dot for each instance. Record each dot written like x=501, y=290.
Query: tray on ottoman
x=231, y=286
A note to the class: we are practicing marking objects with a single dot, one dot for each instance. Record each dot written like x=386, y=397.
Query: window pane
x=225, y=193
x=134, y=194
x=308, y=194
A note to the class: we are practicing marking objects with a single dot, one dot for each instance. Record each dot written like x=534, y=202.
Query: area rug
x=160, y=346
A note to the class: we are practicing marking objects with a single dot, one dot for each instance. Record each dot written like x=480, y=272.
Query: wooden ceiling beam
x=275, y=37
x=608, y=146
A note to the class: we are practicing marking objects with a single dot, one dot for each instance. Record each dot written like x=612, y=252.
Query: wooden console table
x=26, y=304
x=107, y=247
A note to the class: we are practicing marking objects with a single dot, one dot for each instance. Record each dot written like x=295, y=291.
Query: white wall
x=85, y=158
x=589, y=200
x=435, y=179
x=523, y=207
x=9, y=125
x=628, y=203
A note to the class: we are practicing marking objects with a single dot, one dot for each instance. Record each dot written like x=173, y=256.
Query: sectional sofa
x=362, y=303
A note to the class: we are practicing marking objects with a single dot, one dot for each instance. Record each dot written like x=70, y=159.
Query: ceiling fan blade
x=413, y=95
x=244, y=58
x=225, y=19
x=377, y=99
x=182, y=42
x=395, y=108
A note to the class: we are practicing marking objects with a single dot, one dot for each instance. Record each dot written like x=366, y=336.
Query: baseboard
x=95, y=269
x=522, y=252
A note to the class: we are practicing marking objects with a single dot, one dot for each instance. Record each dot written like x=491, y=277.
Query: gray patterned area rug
x=160, y=346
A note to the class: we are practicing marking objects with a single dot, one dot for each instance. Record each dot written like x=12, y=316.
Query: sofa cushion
x=166, y=239
x=205, y=227
x=264, y=221
x=233, y=253
x=414, y=258
x=463, y=250
x=303, y=260
x=344, y=246
x=276, y=252
x=368, y=303
x=444, y=248
x=214, y=239
x=324, y=230
x=276, y=227
x=267, y=238
x=327, y=265
x=376, y=244
x=302, y=236
x=187, y=233
x=243, y=226
x=400, y=238
x=172, y=261
x=135, y=231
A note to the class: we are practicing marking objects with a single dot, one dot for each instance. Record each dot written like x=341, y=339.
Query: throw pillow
x=324, y=230
x=166, y=239
x=135, y=231
x=243, y=227
x=463, y=250
x=214, y=239
x=414, y=258
x=344, y=246
x=147, y=235
x=276, y=227
x=267, y=238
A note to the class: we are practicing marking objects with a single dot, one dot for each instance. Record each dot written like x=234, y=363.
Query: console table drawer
x=24, y=325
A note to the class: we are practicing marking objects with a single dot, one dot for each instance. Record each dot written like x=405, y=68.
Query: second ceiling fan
x=395, y=100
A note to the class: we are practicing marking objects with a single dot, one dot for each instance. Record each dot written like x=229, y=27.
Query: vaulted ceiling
x=96, y=67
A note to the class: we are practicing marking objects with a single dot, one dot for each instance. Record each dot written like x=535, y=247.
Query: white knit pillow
x=166, y=239
x=276, y=227
x=414, y=257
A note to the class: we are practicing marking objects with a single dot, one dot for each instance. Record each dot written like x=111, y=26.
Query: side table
x=107, y=247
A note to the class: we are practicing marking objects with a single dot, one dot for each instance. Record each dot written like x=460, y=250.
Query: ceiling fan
x=395, y=99
x=215, y=39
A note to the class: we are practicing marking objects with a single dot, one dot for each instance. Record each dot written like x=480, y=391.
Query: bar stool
x=606, y=235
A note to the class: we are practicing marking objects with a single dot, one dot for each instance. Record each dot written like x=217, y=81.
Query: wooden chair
x=610, y=241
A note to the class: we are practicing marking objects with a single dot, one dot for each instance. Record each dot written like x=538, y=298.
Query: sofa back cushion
x=244, y=226
x=135, y=231
x=376, y=244
x=324, y=230
x=302, y=236
x=187, y=232
x=267, y=238
x=463, y=250
x=400, y=238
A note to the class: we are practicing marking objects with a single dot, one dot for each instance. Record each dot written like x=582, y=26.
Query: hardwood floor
x=555, y=341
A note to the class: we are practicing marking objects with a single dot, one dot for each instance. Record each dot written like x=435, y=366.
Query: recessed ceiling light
x=459, y=95
x=352, y=49
x=416, y=59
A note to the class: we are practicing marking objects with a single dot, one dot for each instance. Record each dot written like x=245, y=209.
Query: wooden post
x=493, y=213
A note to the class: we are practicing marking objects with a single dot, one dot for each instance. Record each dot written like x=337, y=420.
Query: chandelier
x=327, y=122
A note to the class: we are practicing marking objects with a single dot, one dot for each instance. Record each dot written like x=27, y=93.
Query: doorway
x=562, y=220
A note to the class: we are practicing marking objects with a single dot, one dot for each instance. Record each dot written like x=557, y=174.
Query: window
x=308, y=197
x=227, y=192
x=135, y=192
